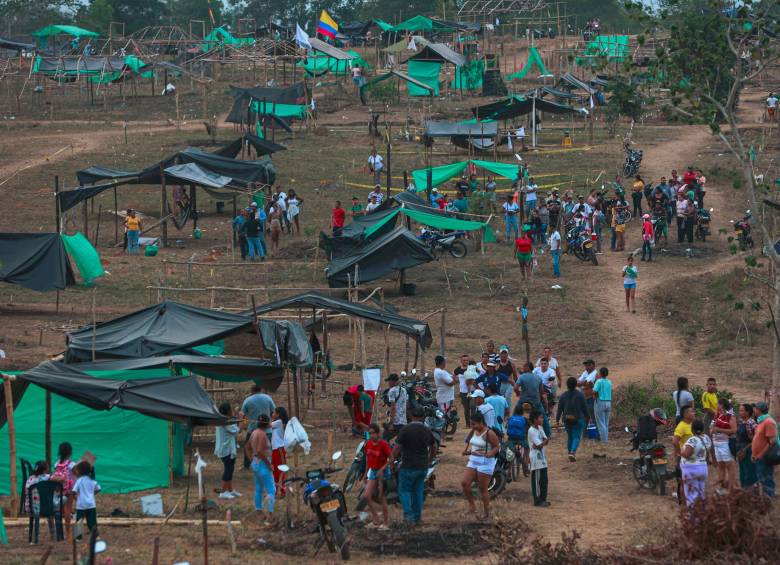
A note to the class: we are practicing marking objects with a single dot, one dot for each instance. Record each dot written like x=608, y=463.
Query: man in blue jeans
x=416, y=446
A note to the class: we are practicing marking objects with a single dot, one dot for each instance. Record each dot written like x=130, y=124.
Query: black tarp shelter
x=357, y=232
x=37, y=261
x=514, y=106
x=393, y=251
x=175, y=398
x=439, y=52
x=242, y=98
x=15, y=45
x=261, y=146
x=415, y=329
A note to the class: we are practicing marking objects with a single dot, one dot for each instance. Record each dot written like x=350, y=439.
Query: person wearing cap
x=582, y=207
x=238, y=236
x=489, y=377
x=511, y=209
x=524, y=252
x=586, y=381
x=376, y=193
x=764, y=442
x=373, y=204
x=376, y=165
x=445, y=385
x=435, y=197
x=398, y=399
x=416, y=447
x=479, y=405
x=251, y=230
x=648, y=234
x=464, y=387
x=133, y=229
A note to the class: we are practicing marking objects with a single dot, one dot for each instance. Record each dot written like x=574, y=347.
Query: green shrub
x=634, y=399
x=697, y=391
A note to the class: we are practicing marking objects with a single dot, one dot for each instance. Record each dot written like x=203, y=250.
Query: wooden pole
x=443, y=330
x=524, y=313
x=406, y=357
x=170, y=454
x=387, y=350
x=9, y=414
x=48, y=428
x=57, y=220
x=116, y=223
x=163, y=211
x=325, y=342
x=97, y=229
x=156, y=551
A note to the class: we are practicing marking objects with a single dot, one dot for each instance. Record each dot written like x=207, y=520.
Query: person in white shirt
x=530, y=197
x=547, y=353
x=372, y=205
x=586, y=381
x=537, y=439
x=84, y=490
x=520, y=135
x=376, y=164
x=555, y=251
x=445, y=385
x=225, y=449
x=488, y=412
x=548, y=376
x=510, y=217
x=376, y=193
x=464, y=387
x=279, y=421
x=582, y=206
x=771, y=106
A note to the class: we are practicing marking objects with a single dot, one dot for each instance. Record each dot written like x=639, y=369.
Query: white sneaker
x=235, y=493
x=226, y=495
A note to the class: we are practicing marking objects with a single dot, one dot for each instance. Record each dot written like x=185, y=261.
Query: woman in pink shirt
x=648, y=235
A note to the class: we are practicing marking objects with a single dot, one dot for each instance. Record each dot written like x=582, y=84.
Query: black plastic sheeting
x=261, y=146
x=570, y=81
x=409, y=326
x=37, y=261
x=352, y=235
x=513, y=107
x=242, y=97
x=82, y=64
x=175, y=398
x=448, y=129
x=190, y=173
x=15, y=45
x=394, y=251
x=287, y=341
x=439, y=52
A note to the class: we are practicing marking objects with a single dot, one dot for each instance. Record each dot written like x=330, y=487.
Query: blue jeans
x=574, y=435
x=411, y=486
x=132, y=241
x=264, y=482
x=255, y=248
x=766, y=478
x=511, y=226
x=599, y=228
x=747, y=469
x=613, y=240
x=506, y=390
x=556, y=259
x=529, y=205
x=602, y=410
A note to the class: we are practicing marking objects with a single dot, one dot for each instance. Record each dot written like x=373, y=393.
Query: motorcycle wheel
x=450, y=428
x=352, y=476
x=645, y=479
x=661, y=486
x=339, y=535
x=517, y=465
x=497, y=483
x=593, y=258
x=362, y=503
x=578, y=253
x=458, y=249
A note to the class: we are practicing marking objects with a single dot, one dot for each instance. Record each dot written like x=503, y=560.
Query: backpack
x=62, y=469
x=570, y=413
x=515, y=427
x=347, y=399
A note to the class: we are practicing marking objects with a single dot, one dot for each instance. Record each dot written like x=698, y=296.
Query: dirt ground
x=587, y=318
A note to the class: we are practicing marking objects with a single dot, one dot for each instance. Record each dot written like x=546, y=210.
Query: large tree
x=715, y=48
x=137, y=14
x=25, y=16
x=96, y=16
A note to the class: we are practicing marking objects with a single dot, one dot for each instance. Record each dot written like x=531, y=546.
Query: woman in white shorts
x=723, y=428
x=482, y=446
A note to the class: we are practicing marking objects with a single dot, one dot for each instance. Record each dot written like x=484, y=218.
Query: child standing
x=279, y=421
x=40, y=473
x=630, y=275
x=709, y=402
x=517, y=432
x=83, y=493
x=225, y=449
x=63, y=472
x=537, y=439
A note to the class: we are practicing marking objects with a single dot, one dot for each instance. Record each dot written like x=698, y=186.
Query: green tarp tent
x=427, y=72
x=443, y=222
x=534, y=60
x=45, y=33
x=469, y=76
x=421, y=23
x=321, y=64
x=221, y=36
x=84, y=255
x=444, y=173
x=383, y=25
x=612, y=47
x=279, y=110
x=131, y=448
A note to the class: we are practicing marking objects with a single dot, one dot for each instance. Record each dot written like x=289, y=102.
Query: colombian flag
x=327, y=26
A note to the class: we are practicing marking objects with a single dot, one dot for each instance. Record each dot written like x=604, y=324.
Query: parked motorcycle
x=633, y=161
x=580, y=242
x=505, y=471
x=328, y=504
x=703, y=218
x=650, y=464
x=441, y=242
x=744, y=233
x=357, y=469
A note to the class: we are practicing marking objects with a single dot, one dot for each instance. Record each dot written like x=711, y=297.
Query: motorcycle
x=328, y=504
x=650, y=464
x=703, y=223
x=505, y=470
x=591, y=30
x=357, y=469
x=633, y=161
x=580, y=242
x=441, y=242
x=744, y=233
x=390, y=486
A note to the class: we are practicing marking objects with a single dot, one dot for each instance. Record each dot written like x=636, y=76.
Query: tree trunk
x=774, y=406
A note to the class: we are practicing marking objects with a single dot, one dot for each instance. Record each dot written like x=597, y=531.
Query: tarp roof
x=242, y=97
x=156, y=330
x=394, y=251
x=402, y=76
x=78, y=64
x=75, y=31
x=264, y=371
x=559, y=93
x=514, y=106
x=37, y=261
x=439, y=52
x=360, y=229
x=329, y=50
x=409, y=326
x=178, y=398
x=261, y=146
x=450, y=129
x=192, y=173
x=403, y=45
x=422, y=23
x=574, y=82
x=15, y=45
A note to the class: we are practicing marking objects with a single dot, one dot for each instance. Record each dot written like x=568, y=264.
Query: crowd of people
x=272, y=212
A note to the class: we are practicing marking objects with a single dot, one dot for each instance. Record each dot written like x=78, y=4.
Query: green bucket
x=150, y=251
x=197, y=233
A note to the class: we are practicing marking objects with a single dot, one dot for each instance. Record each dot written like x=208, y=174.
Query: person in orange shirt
x=133, y=227
x=764, y=440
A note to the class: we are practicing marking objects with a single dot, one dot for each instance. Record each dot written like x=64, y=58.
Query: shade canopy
x=37, y=261
x=178, y=398
x=74, y=31
x=409, y=326
x=514, y=106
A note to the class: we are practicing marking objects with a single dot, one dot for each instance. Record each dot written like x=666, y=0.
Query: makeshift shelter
x=100, y=70
x=515, y=106
x=446, y=221
x=92, y=411
x=412, y=83
x=534, y=61
x=221, y=36
x=240, y=112
x=39, y=261
x=423, y=24
x=357, y=232
x=479, y=135
x=416, y=329
x=394, y=251
x=612, y=48
x=425, y=67
x=15, y=45
x=316, y=66
x=44, y=35
x=571, y=82
x=469, y=76
x=443, y=173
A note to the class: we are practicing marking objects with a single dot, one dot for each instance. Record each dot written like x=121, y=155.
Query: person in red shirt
x=339, y=215
x=524, y=252
x=377, y=471
x=443, y=201
x=689, y=176
x=648, y=234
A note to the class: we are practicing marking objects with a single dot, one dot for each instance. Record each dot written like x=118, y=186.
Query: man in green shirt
x=357, y=207
x=461, y=203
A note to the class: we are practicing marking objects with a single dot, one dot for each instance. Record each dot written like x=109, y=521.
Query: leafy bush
x=697, y=391
x=634, y=399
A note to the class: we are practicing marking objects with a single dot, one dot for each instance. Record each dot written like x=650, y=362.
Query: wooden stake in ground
x=47, y=438
x=156, y=551
x=524, y=314
x=9, y=414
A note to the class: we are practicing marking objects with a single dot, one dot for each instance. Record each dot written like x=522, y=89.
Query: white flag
x=302, y=38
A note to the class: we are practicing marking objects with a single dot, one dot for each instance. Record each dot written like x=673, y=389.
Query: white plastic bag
x=295, y=434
